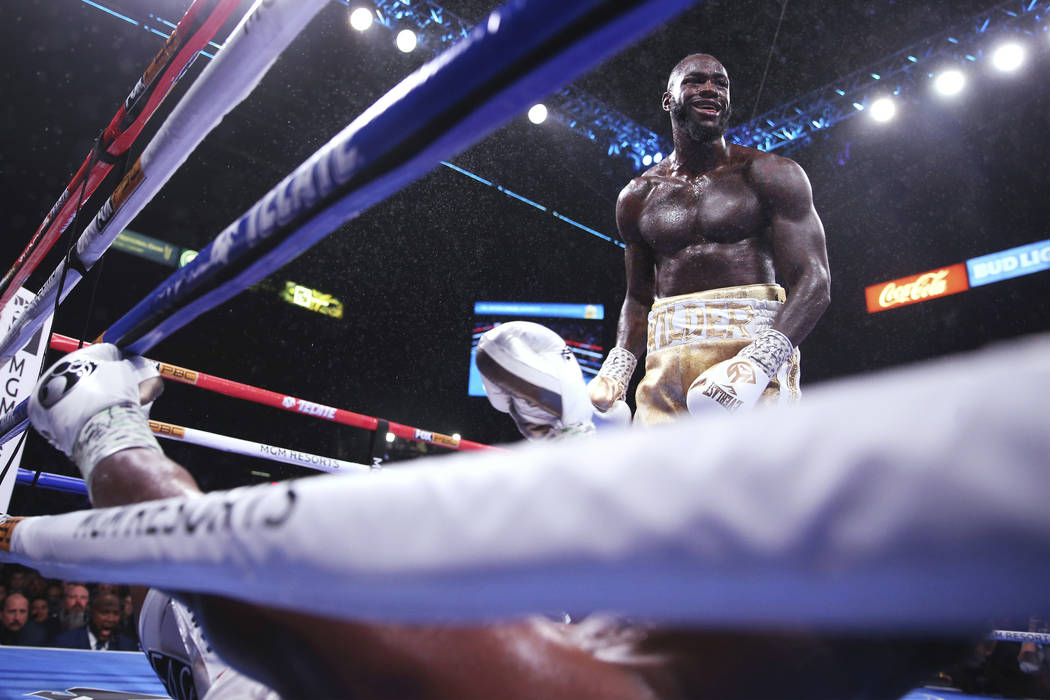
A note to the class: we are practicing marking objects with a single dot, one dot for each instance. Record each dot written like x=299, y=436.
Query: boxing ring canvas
x=65, y=674
x=60, y=674
x=347, y=177
x=942, y=694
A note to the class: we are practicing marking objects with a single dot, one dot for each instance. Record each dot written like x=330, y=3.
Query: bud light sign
x=995, y=267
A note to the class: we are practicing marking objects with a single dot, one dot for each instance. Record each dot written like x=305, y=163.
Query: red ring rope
x=291, y=404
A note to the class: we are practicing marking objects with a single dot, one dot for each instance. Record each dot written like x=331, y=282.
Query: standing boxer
x=708, y=231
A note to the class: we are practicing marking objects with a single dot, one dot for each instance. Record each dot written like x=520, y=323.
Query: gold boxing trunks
x=691, y=332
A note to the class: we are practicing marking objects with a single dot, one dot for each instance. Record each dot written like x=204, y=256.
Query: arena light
x=1008, y=57
x=883, y=109
x=406, y=40
x=950, y=82
x=361, y=19
x=390, y=437
x=647, y=160
x=658, y=157
x=538, y=113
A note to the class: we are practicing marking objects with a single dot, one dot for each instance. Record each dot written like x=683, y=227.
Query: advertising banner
x=18, y=375
x=1023, y=260
x=915, y=288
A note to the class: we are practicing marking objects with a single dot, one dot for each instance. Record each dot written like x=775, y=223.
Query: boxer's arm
x=641, y=271
x=135, y=475
x=800, y=255
x=631, y=327
x=608, y=389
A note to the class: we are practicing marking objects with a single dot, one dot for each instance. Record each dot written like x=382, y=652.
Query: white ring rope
x=264, y=32
x=912, y=500
x=1019, y=636
x=249, y=448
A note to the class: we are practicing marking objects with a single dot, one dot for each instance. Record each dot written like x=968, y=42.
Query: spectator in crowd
x=101, y=631
x=39, y=611
x=18, y=629
x=54, y=591
x=72, y=613
x=129, y=624
x=101, y=588
x=16, y=579
x=35, y=585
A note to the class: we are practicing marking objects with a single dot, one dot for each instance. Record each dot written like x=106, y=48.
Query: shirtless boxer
x=87, y=405
x=708, y=232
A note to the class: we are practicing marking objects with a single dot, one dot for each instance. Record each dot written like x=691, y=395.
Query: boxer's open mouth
x=709, y=108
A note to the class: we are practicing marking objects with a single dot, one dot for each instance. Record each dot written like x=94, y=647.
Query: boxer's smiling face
x=698, y=97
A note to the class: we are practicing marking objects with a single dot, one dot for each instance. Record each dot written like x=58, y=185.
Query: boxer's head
x=697, y=98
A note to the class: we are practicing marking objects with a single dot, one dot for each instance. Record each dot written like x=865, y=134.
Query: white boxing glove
x=610, y=384
x=737, y=383
x=618, y=416
x=530, y=373
x=88, y=404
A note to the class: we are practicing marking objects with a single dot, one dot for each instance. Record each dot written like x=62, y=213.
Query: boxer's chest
x=679, y=213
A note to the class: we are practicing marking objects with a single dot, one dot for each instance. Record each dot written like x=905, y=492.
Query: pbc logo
x=62, y=379
x=288, y=402
x=741, y=372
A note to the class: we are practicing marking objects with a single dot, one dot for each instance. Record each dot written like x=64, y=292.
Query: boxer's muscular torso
x=741, y=217
x=705, y=231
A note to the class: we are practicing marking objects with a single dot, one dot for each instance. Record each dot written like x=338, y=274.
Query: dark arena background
x=946, y=180
x=922, y=126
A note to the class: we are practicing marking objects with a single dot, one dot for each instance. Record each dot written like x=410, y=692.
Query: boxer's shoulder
x=635, y=191
x=766, y=167
x=778, y=180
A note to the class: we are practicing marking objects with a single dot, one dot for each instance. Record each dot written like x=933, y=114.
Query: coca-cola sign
x=911, y=290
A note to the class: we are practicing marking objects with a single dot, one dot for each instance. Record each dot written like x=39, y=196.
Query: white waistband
x=700, y=320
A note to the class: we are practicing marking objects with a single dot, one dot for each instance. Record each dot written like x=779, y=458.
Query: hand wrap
x=610, y=385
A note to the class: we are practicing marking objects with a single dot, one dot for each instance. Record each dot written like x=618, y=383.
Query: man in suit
x=15, y=625
x=101, y=630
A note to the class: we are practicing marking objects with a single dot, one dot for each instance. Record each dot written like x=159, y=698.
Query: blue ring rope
x=524, y=50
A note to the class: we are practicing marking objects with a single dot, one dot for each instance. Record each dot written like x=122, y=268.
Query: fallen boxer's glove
x=89, y=404
x=530, y=373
